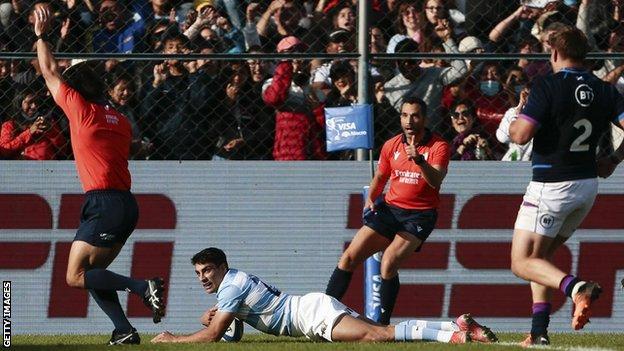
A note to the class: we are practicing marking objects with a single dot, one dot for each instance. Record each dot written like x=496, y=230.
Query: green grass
x=564, y=341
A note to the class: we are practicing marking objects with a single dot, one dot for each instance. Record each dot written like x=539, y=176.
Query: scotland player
x=100, y=138
x=317, y=316
x=565, y=114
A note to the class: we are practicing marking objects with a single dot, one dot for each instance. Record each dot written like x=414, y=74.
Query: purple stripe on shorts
x=528, y=204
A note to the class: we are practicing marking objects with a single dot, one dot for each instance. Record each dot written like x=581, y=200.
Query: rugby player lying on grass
x=316, y=316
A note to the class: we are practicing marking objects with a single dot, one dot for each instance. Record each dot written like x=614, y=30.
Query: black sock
x=102, y=279
x=338, y=283
x=389, y=290
x=109, y=303
x=539, y=323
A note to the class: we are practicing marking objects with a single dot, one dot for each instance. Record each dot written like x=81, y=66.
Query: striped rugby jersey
x=260, y=305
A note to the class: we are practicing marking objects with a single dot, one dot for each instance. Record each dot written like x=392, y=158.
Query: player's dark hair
x=570, y=42
x=415, y=100
x=210, y=255
x=86, y=78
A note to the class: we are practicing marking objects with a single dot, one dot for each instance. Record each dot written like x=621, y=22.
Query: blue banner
x=349, y=127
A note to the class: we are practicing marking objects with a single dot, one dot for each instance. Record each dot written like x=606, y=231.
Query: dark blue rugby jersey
x=572, y=108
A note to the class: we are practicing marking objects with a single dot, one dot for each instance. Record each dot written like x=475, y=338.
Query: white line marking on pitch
x=559, y=348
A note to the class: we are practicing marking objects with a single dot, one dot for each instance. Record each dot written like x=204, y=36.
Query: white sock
x=577, y=286
x=447, y=326
x=419, y=333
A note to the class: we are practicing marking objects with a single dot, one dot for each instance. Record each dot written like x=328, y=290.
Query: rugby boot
x=531, y=340
x=460, y=337
x=583, y=299
x=153, y=298
x=128, y=338
x=478, y=332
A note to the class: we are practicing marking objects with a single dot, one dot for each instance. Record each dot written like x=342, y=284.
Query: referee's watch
x=420, y=160
x=44, y=37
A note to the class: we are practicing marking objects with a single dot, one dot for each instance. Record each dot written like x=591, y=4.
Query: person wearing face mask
x=31, y=134
x=490, y=98
x=299, y=117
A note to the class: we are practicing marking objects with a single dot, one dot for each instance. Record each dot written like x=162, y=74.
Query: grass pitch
x=253, y=342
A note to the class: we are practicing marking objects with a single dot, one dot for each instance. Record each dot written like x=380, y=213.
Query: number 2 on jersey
x=577, y=144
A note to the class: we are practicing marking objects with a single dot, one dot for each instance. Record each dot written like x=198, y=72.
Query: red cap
x=289, y=43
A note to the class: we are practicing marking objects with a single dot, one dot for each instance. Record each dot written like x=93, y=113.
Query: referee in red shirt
x=100, y=138
x=415, y=162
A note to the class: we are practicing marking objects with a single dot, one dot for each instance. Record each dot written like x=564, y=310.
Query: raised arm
x=497, y=33
x=582, y=22
x=49, y=68
x=263, y=24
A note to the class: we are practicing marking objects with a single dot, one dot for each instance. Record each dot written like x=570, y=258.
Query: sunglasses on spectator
x=464, y=113
x=434, y=8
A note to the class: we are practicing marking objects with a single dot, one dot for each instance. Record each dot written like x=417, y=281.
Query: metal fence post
x=363, y=68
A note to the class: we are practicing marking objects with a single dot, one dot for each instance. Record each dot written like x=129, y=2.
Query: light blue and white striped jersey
x=258, y=304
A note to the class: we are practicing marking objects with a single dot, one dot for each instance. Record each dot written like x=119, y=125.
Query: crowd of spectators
x=259, y=109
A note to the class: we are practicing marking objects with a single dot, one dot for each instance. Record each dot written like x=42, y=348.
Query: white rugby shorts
x=552, y=209
x=315, y=314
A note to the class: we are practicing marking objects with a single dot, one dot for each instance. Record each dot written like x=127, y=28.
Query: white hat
x=74, y=62
x=397, y=38
x=469, y=44
x=538, y=4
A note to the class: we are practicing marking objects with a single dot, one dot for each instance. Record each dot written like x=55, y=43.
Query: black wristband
x=420, y=160
x=43, y=37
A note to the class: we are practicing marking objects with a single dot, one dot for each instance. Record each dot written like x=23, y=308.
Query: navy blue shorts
x=388, y=220
x=107, y=217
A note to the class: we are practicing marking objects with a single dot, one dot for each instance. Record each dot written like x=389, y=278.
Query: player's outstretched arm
x=49, y=68
x=207, y=317
x=217, y=327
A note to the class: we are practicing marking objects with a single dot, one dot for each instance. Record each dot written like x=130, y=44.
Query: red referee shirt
x=100, y=138
x=407, y=188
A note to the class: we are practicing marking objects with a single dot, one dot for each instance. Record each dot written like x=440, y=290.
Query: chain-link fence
x=235, y=108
